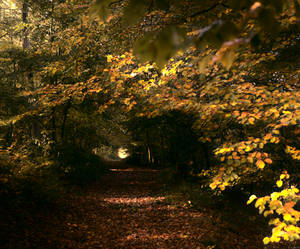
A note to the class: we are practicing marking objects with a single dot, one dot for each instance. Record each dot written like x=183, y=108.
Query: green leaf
x=135, y=10
x=102, y=8
x=227, y=58
x=217, y=33
x=207, y=35
x=160, y=47
x=203, y=63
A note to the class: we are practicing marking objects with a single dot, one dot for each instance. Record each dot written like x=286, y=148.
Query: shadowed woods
x=128, y=208
x=206, y=92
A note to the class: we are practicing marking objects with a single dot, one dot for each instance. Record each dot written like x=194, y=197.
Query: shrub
x=78, y=165
x=28, y=182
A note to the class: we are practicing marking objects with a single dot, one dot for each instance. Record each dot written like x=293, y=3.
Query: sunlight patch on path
x=144, y=235
x=135, y=169
x=135, y=200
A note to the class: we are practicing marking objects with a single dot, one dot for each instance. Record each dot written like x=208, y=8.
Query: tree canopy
x=210, y=89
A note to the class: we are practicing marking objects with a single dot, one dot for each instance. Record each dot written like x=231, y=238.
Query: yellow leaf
x=259, y=202
x=288, y=217
x=213, y=185
x=279, y=183
x=109, y=58
x=274, y=204
x=285, y=236
x=266, y=213
x=291, y=228
x=222, y=150
x=268, y=136
x=275, y=239
x=251, y=120
x=251, y=199
x=256, y=140
x=260, y=164
x=284, y=193
x=248, y=148
x=261, y=209
x=222, y=187
x=274, y=222
x=266, y=240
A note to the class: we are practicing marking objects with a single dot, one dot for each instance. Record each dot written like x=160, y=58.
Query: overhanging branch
x=205, y=11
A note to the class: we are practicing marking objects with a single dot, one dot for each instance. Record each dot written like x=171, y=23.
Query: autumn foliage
x=208, y=89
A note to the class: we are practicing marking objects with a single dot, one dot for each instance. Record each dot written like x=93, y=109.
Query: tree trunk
x=26, y=43
x=65, y=115
x=148, y=146
x=53, y=122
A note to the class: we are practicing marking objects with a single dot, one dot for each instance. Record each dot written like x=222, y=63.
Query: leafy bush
x=281, y=207
x=28, y=183
x=77, y=165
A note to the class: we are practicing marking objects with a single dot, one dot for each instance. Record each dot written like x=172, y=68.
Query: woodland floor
x=128, y=208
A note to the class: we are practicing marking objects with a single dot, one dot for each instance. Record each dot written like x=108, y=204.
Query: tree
x=225, y=25
x=248, y=109
x=210, y=86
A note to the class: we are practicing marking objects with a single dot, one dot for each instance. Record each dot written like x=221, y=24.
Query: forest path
x=128, y=208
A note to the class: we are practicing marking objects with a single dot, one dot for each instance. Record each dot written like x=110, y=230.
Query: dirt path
x=128, y=209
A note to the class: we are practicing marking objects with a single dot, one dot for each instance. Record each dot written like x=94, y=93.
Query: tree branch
x=209, y=9
x=206, y=10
